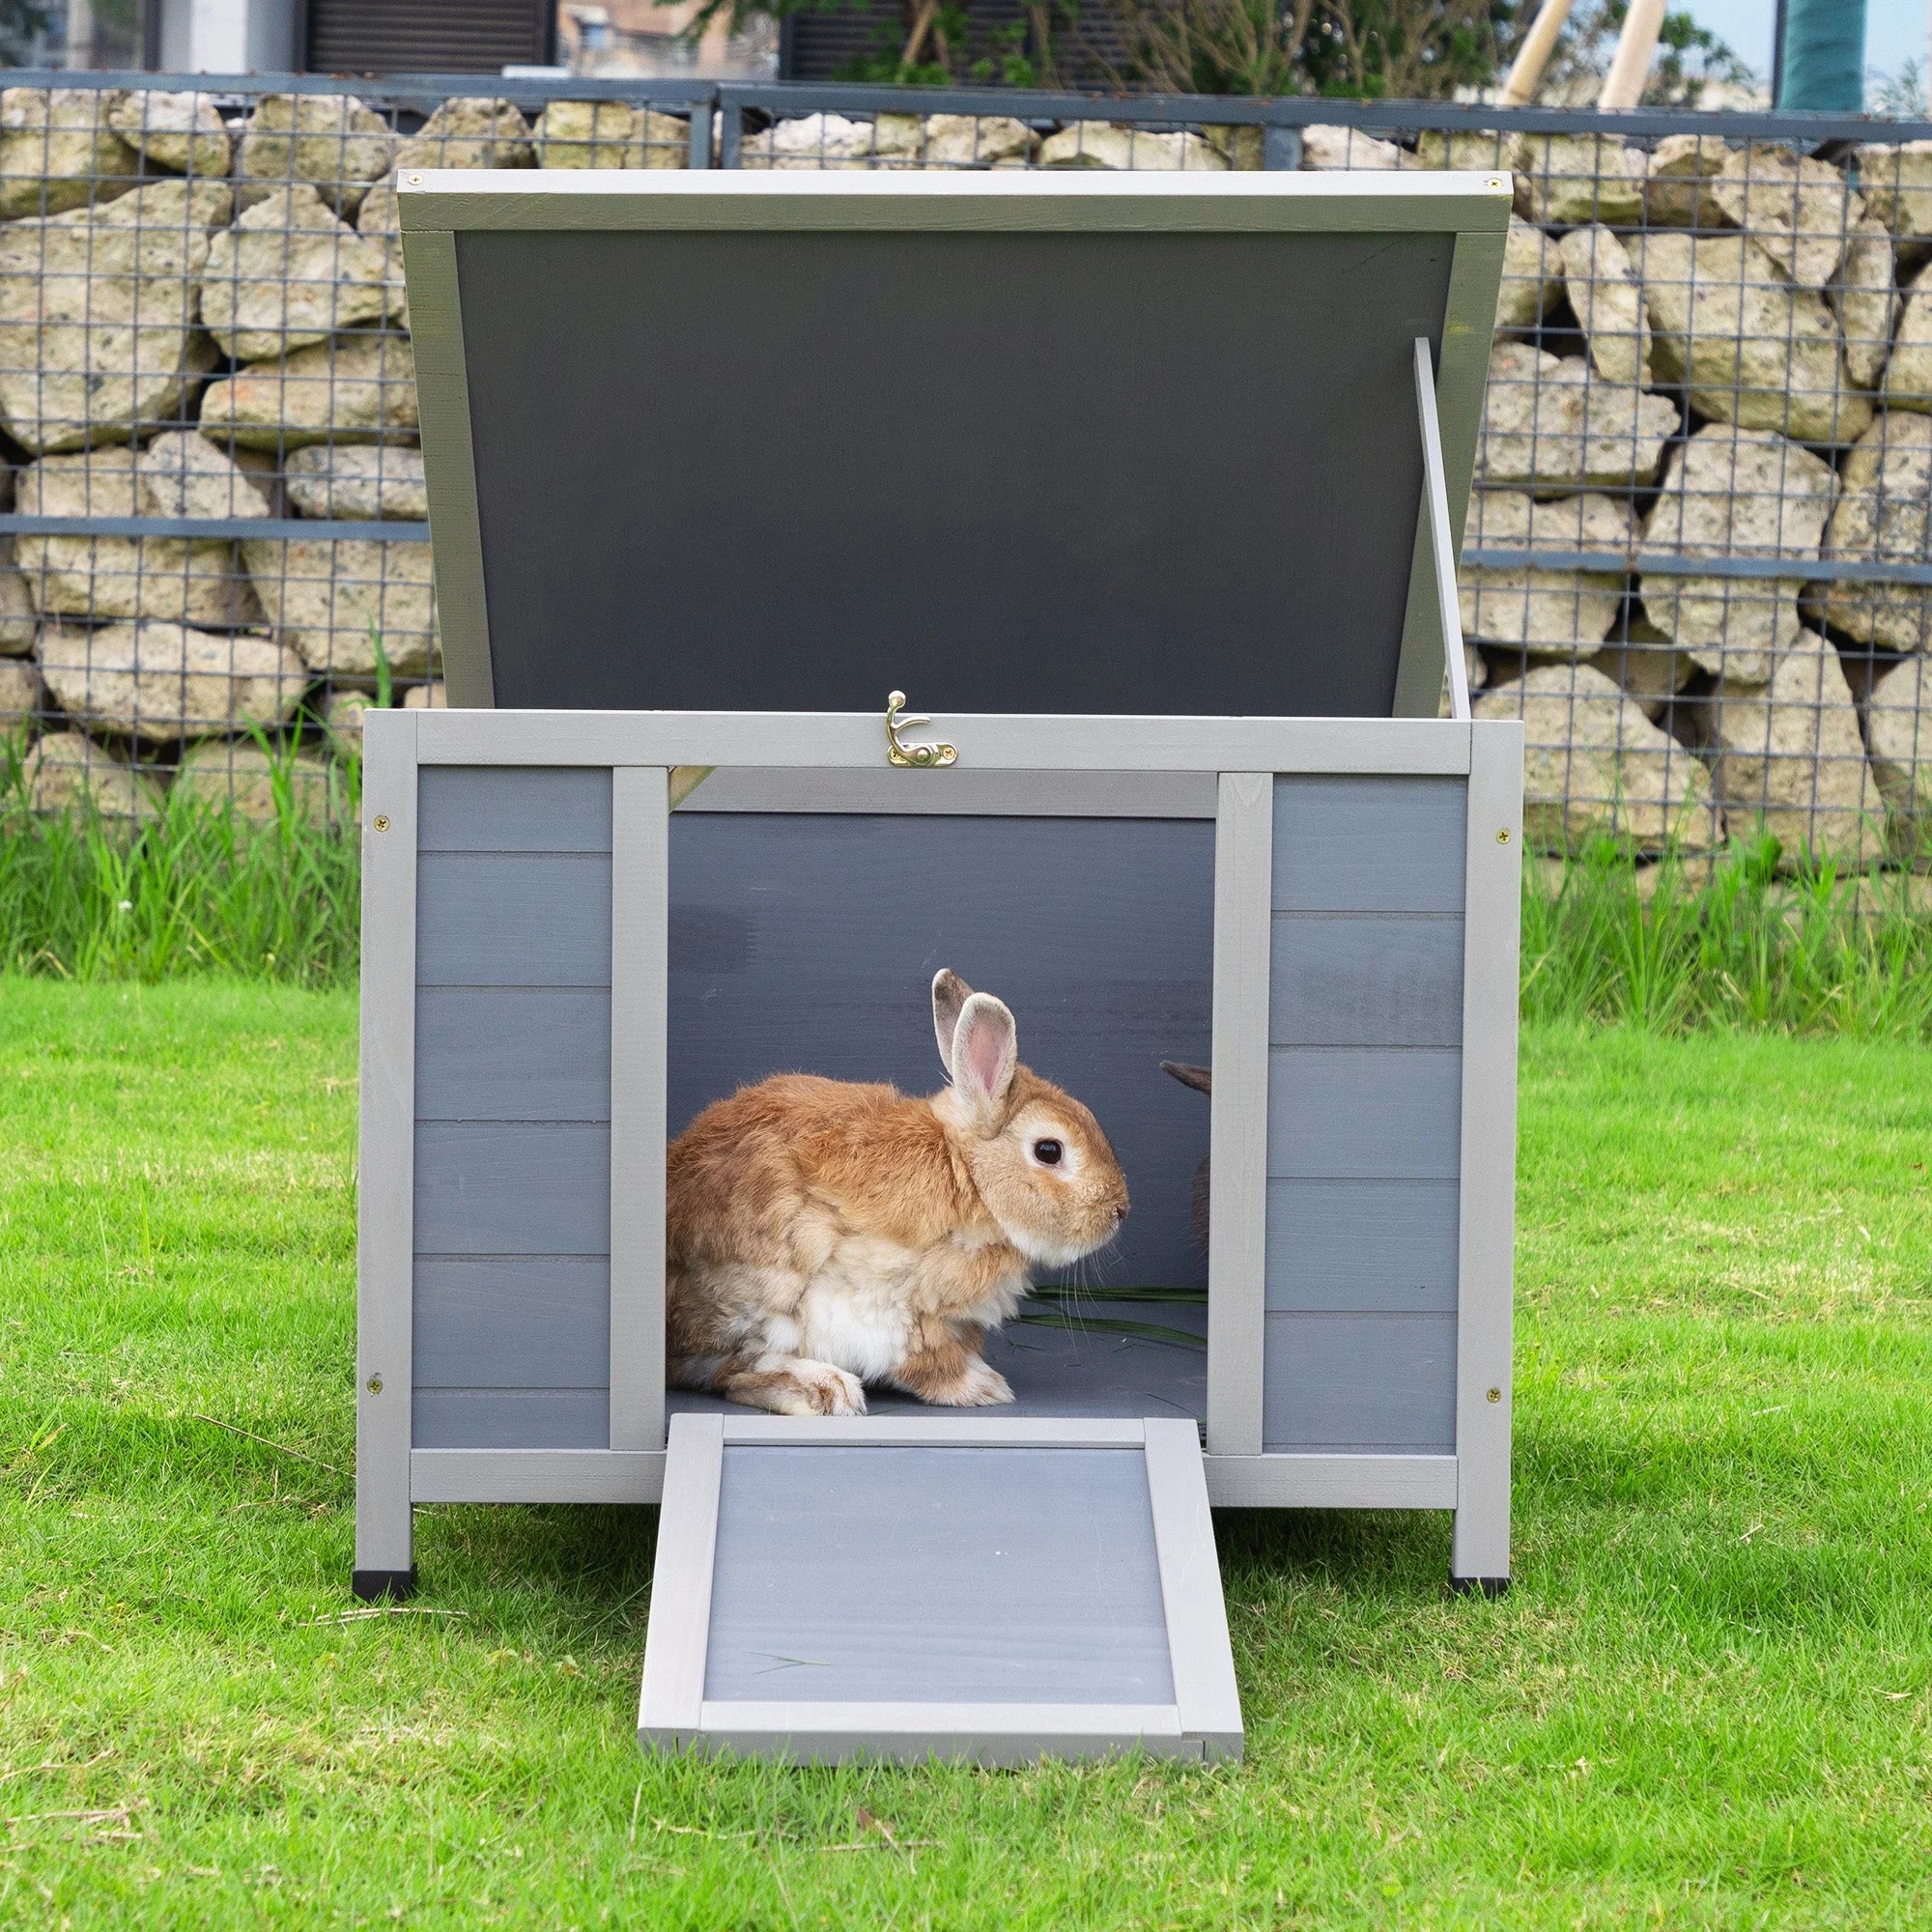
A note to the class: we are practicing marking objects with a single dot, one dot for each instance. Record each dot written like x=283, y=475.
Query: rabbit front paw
x=797, y=1386
x=971, y=1385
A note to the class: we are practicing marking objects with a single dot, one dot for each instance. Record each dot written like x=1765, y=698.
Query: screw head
x=1495, y=1395
x=374, y=1386
x=381, y=821
x=415, y=181
x=1504, y=836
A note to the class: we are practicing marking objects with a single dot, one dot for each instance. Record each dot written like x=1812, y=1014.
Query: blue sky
x=1895, y=30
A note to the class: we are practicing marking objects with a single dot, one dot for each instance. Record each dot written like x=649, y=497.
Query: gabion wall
x=1696, y=562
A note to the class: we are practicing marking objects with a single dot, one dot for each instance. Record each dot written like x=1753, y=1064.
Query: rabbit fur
x=821, y=1235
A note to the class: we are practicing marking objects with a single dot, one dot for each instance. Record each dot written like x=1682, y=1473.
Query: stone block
x=1645, y=666
x=184, y=474
x=364, y=482
x=1895, y=179
x=1908, y=374
x=1898, y=732
x=287, y=275
x=1866, y=303
x=1532, y=277
x=18, y=620
x=973, y=140
x=67, y=771
x=1678, y=182
x=357, y=388
x=1595, y=766
x=1327, y=149
x=1566, y=180
x=1109, y=144
x=236, y=775
x=610, y=134
x=1552, y=426
x=331, y=599
x=162, y=683
x=19, y=696
x=181, y=131
x=1797, y=210
x=1562, y=614
x=1884, y=514
x=329, y=140
x=468, y=132
x=104, y=578
x=1752, y=349
x=1736, y=493
x=58, y=150
x=1471, y=149
x=1609, y=303
x=98, y=323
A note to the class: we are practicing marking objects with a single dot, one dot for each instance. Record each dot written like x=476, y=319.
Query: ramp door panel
x=995, y=1591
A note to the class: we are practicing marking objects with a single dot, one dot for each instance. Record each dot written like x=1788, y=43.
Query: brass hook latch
x=924, y=757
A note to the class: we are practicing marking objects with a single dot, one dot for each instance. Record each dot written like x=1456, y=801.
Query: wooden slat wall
x=1364, y=1114
x=512, y=1331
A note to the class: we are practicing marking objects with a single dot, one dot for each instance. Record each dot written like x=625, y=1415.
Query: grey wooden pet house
x=1150, y=488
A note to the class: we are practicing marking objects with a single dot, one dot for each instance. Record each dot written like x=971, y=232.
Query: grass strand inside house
x=1707, y=1702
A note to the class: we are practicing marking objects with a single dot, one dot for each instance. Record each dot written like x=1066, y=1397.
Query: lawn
x=1708, y=1701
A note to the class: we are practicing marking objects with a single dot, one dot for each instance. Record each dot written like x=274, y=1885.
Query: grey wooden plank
x=1238, y=1195
x=1348, y=1479
x=537, y=1323
x=498, y=808
x=999, y=1576
x=384, y=1196
x=513, y=1053
x=1025, y=794
x=1206, y=1697
x=1368, y=844
x=991, y=1736
x=536, y=1475
x=1361, y=979
x=671, y=1699
x=507, y=919
x=640, y=884
x=512, y=1418
x=1362, y=1246
x=1097, y=932
x=1361, y=1381
x=1364, y=1113
x=1064, y=1372
x=1432, y=637
x=1487, y=1242
x=512, y=1189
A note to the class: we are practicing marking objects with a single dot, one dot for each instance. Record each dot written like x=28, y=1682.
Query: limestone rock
x=237, y=776
x=342, y=722
x=380, y=224
x=333, y=599
x=183, y=475
x=18, y=620
x=329, y=140
x=1331, y=148
x=67, y=771
x=1595, y=766
x=1752, y=349
x=1643, y=664
x=103, y=577
x=1474, y=151
x=1678, y=182
x=1908, y=375
x=1532, y=277
x=363, y=483
x=1797, y=210
x=182, y=131
x=610, y=134
x=1561, y=613
x=1865, y=302
x=1897, y=182
x=58, y=150
x=1244, y=148
x=97, y=336
x=19, y=694
x=1564, y=180
x=1609, y=303
x=470, y=132
x=1548, y=425
x=1736, y=493
x=287, y=275
x=1108, y=144
x=358, y=388
x=1898, y=729
x=163, y=682
x=1885, y=513
x=1788, y=757
x=966, y=140
x=425, y=697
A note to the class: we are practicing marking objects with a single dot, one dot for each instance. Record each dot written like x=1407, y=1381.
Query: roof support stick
x=1442, y=546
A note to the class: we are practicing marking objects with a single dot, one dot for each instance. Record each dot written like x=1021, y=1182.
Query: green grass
x=1708, y=1700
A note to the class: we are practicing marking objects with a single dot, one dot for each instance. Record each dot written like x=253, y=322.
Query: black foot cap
x=1486, y=1586
x=370, y=1586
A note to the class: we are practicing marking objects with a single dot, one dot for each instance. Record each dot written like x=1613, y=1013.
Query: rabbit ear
x=950, y=993
x=985, y=1050
x=1200, y=1078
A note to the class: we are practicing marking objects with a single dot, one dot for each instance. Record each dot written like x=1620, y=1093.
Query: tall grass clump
x=196, y=887
x=1689, y=944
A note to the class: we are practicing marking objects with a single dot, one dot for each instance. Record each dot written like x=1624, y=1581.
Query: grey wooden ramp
x=953, y=1587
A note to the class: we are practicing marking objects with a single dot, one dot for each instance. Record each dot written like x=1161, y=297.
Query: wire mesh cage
x=1696, y=560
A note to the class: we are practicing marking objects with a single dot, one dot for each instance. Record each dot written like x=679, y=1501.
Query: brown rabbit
x=1202, y=1080
x=821, y=1235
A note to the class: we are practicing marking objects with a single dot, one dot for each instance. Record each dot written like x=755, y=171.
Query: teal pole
x=1821, y=56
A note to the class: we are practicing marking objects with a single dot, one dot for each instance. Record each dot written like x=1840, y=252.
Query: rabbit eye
x=1046, y=1152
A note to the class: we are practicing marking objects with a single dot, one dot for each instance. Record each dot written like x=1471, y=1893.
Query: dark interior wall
x=1129, y=474
x=808, y=942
